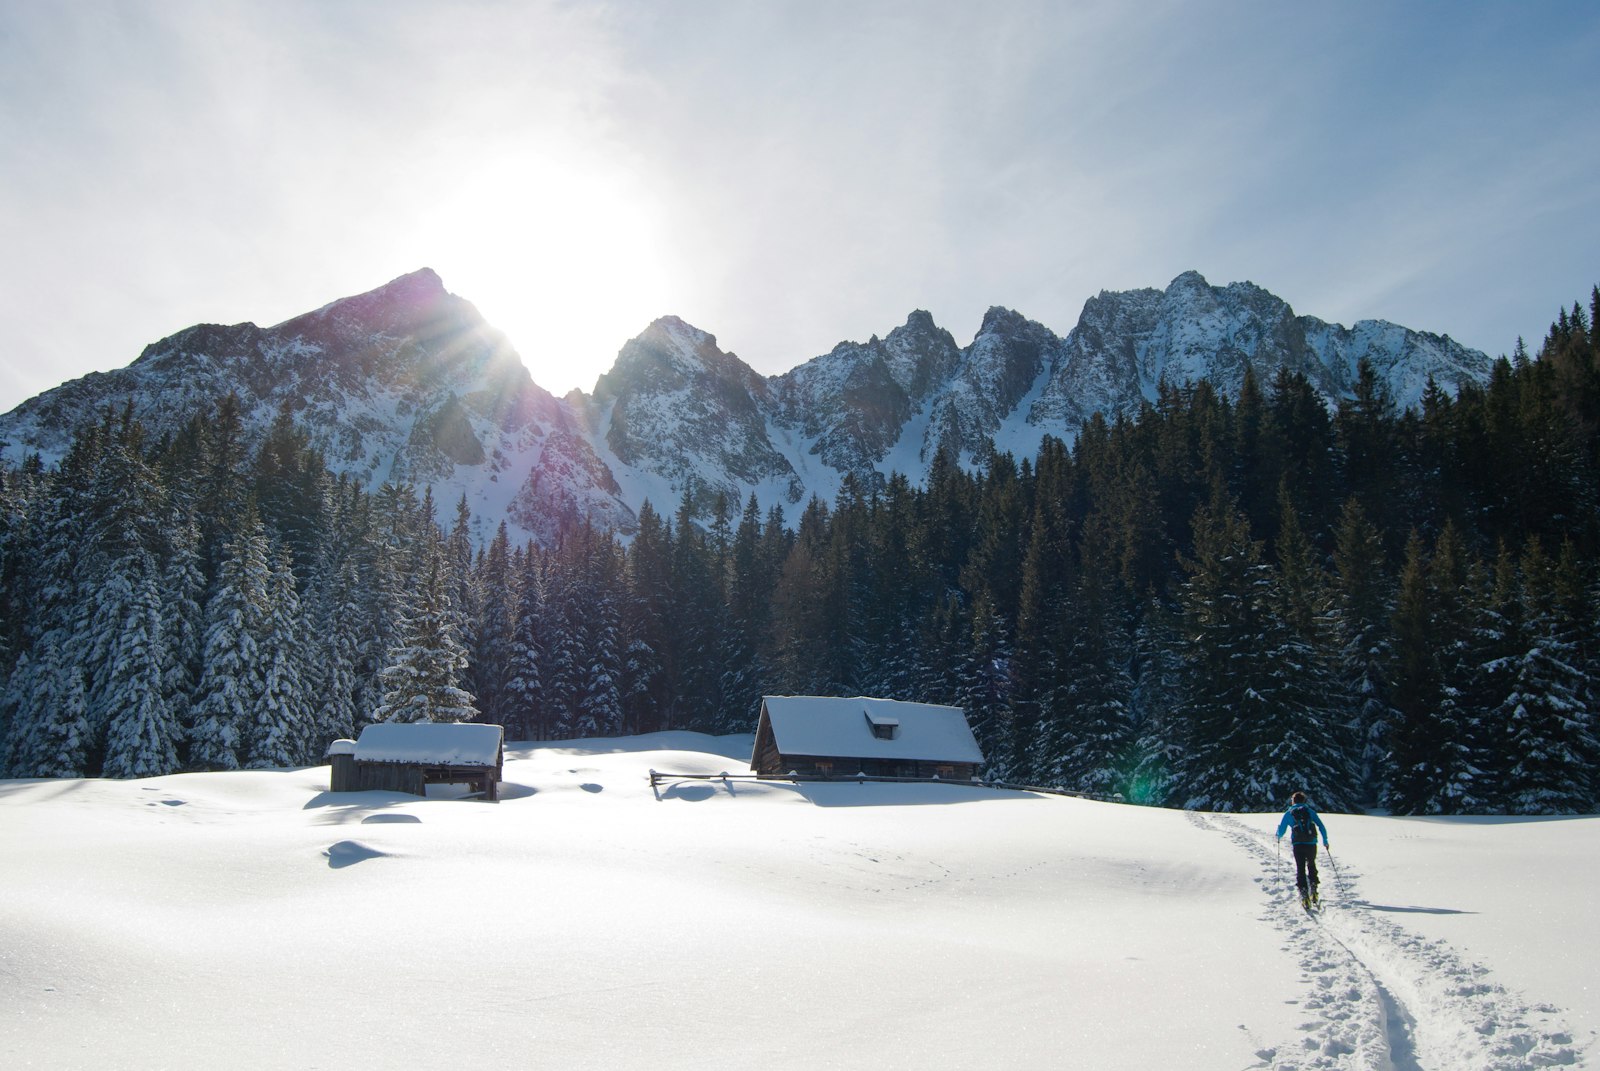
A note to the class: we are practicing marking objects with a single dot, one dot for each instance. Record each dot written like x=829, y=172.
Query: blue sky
x=784, y=175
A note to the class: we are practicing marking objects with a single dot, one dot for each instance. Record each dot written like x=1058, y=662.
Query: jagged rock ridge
x=408, y=383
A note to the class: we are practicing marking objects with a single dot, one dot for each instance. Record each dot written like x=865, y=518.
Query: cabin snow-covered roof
x=825, y=725
x=435, y=743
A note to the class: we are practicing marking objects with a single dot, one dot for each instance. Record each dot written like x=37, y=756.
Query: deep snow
x=590, y=921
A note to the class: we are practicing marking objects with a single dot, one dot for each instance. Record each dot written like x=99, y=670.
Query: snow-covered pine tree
x=1459, y=588
x=748, y=588
x=392, y=563
x=278, y=733
x=1307, y=738
x=893, y=602
x=464, y=588
x=183, y=618
x=645, y=610
x=124, y=655
x=985, y=687
x=332, y=623
x=1154, y=704
x=1491, y=654
x=231, y=685
x=561, y=672
x=222, y=496
x=798, y=629
x=1547, y=725
x=142, y=734
x=1093, y=700
x=50, y=726
x=423, y=671
x=693, y=635
x=338, y=611
x=598, y=706
x=47, y=586
x=1362, y=610
x=524, y=690
x=1224, y=601
x=1426, y=749
x=1042, y=598
x=490, y=649
x=1258, y=723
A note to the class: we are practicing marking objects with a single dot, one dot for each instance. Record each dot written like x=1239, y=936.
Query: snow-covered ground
x=588, y=921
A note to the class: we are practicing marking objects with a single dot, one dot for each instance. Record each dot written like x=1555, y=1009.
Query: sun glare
x=562, y=254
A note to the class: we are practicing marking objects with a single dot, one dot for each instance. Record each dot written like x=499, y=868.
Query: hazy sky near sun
x=783, y=175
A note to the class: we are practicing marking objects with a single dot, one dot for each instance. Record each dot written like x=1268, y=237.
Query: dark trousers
x=1305, y=866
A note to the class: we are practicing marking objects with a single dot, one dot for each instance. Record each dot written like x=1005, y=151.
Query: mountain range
x=408, y=383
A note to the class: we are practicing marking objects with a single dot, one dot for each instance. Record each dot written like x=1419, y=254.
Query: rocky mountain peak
x=411, y=302
x=1000, y=320
x=672, y=355
x=406, y=382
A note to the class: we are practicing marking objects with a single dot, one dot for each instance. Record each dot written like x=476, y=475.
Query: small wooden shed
x=409, y=756
x=825, y=736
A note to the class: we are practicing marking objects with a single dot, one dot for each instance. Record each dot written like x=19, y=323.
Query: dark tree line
x=1207, y=604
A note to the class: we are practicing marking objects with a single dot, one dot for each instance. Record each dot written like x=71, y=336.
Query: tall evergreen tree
x=423, y=670
x=1549, y=741
x=231, y=684
x=278, y=732
x=142, y=733
x=1362, y=611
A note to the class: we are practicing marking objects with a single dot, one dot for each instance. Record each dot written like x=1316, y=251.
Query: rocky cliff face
x=408, y=383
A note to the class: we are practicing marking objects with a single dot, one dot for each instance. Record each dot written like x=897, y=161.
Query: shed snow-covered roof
x=436, y=743
x=825, y=726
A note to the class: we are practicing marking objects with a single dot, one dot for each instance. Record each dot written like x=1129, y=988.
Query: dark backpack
x=1303, y=829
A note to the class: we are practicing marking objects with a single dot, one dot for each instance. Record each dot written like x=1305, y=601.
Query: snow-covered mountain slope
x=408, y=383
x=676, y=412
x=1126, y=343
x=254, y=919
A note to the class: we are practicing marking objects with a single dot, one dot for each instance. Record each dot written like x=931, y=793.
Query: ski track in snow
x=1380, y=998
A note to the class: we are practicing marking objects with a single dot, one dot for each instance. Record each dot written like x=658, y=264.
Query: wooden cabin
x=823, y=736
x=410, y=756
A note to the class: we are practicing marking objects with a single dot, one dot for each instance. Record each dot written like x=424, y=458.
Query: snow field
x=256, y=920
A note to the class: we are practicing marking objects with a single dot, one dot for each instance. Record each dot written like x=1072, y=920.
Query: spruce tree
x=524, y=685
x=646, y=624
x=142, y=734
x=1362, y=610
x=490, y=651
x=278, y=733
x=1548, y=726
x=1092, y=702
x=1224, y=599
x=48, y=706
x=231, y=685
x=422, y=672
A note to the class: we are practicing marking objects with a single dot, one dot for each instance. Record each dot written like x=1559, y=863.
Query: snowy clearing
x=256, y=920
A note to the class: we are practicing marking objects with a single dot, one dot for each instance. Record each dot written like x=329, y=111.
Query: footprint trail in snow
x=1380, y=998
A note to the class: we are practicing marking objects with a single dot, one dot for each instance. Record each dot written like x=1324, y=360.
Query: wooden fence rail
x=658, y=777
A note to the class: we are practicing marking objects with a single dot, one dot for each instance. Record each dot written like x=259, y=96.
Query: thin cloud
x=784, y=175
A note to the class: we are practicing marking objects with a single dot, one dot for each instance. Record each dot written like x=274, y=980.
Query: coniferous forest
x=1208, y=604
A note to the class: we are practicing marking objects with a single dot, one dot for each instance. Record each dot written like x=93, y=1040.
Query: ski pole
x=1338, y=881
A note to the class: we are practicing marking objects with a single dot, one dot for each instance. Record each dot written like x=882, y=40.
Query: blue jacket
x=1288, y=820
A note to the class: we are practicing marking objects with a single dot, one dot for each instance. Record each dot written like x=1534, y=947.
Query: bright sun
x=562, y=254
